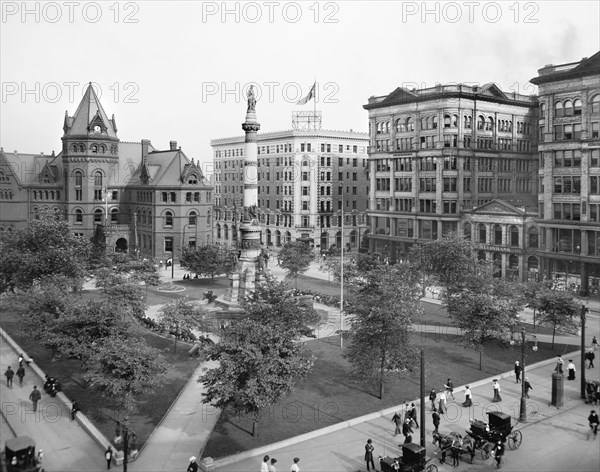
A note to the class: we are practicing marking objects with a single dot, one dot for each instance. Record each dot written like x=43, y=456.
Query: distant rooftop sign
x=306, y=120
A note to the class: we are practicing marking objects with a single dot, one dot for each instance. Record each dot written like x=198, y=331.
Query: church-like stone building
x=142, y=200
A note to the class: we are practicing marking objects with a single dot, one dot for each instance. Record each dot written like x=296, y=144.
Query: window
x=114, y=216
x=558, y=110
x=450, y=184
x=514, y=236
x=533, y=238
x=577, y=107
x=568, y=108
x=482, y=233
x=594, y=157
x=168, y=218
x=449, y=206
x=595, y=129
x=497, y=235
x=164, y=197
x=427, y=206
x=595, y=185
x=197, y=197
x=567, y=184
x=467, y=231
x=98, y=179
x=173, y=197
x=480, y=122
x=596, y=104
x=188, y=197
x=98, y=216
x=192, y=218
x=78, y=216
x=169, y=245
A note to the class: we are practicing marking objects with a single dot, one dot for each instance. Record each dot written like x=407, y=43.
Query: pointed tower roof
x=88, y=115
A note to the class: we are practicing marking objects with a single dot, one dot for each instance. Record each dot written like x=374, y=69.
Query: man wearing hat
x=295, y=467
x=193, y=467
x=369, y=454
x=272, y=465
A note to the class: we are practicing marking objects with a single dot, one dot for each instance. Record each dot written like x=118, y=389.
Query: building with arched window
x=132, y=192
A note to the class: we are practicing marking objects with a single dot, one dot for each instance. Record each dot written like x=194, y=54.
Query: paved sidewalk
x=66, y=445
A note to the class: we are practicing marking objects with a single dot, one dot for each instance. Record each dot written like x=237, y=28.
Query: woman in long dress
x=467, y=402
x=497, y=397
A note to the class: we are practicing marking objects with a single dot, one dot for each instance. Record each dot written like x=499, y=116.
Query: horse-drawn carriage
x=20, y=456
x=498, y=428
x=413, y=459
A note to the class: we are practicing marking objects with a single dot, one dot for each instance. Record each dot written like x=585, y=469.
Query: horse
x=454, y=442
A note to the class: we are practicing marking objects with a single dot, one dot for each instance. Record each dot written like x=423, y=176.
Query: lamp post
x=128, y=436
x=584, y=310
x=523, y=411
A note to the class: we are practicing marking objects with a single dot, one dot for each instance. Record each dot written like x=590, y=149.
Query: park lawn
x=150, y=408
x=327, y=396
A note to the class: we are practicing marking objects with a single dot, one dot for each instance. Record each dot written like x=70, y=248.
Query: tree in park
x=558, y=310
x=181, y=315
x=209, y=260
x=273, y=303
x=354, y=267
x=385, y=304
x=295, y=258
x=45, y=247
x=122, y=369
x=121, y=292
x=486, y=311
x=82, y=328
x=259, y=364
x=450, y=261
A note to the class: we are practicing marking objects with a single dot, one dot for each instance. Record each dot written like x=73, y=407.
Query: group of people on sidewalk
x=268, y=465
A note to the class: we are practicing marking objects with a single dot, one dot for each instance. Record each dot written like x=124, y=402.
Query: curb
x=352, y=422
x=81, y=419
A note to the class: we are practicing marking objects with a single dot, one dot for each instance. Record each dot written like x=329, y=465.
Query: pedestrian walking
x=518, y=369
x=21, y=374
x=559, y=364
x=295, y=467
x=74, y=409
x=407, y=431
x=35, y=396
x=108, y=454
x=497, y=397
x=193, y=467
x=432, y=397
x=435, y=416
x=595, y=343
x=590, y=356
x=527, y=387
x=571, y=368
x=9, y=376
x=264, y=466
x=412, y=412
x=450, y=388
x=594, y=422
x=468, y=402
x=369, y=454
x=442, y=403
x=397, y=420
x=272, y=465
x=498, y=453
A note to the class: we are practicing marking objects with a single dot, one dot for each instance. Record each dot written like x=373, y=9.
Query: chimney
x=145, y=146
x=173, y=145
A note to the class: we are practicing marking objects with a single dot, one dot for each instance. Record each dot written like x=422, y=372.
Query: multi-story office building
x=306, y=179
x=142, y=200
x=569, y=173
x=453, y=158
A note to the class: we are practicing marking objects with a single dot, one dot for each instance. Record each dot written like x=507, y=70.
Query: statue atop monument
x=251, y=99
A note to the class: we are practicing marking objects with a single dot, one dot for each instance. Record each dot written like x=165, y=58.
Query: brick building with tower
x=137, y=198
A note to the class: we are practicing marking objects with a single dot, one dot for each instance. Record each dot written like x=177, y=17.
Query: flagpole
x=315, y=105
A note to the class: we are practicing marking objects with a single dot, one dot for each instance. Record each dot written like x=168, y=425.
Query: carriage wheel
x=514, y=440
x=431, y=468
x=485, y=451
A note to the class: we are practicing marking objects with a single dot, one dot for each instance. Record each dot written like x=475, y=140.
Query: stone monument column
x=248, y=270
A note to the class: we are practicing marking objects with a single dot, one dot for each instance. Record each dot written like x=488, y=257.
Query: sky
x=180, y=70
